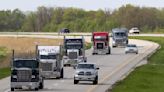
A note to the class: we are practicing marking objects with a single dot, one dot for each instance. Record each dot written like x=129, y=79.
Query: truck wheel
x=62, y=73
x=36, y=89
x=12, y=89
x=109, y=52
x=113, y=46
x=93, y=53
x=75, y=81
x=96, y=80
x=41, y=85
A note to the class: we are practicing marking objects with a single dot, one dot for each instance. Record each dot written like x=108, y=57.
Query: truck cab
x=100, y=41
x=74, y=51
x=119, y=37
x=25, y=73
x=51, y=64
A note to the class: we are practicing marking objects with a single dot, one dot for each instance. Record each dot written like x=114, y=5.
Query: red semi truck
x=100, y=42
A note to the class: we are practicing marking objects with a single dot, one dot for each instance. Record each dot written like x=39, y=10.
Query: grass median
x=146, y=78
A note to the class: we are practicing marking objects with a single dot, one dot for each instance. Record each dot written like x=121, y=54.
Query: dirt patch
x=23, y=45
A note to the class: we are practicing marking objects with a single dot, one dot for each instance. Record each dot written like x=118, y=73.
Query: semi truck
x=74, y=51
x=119, y=37
x=51, y=64
x=25, y=73
x=100, y=41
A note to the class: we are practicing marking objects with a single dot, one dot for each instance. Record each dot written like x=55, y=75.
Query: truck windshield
x=47, y=56
x=73, y=46
x=85, y=66
x=26, y=64
x=120, y=34
x=100, y=38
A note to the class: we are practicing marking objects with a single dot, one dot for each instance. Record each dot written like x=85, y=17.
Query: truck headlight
x=33, y=76
x=14, y=76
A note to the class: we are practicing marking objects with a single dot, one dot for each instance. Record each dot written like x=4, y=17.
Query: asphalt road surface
x=112, y=68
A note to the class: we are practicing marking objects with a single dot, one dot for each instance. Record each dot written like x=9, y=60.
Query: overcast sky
x=31, y=5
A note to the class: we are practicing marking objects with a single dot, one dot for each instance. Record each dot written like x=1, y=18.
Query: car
x=65, y=30
x=86, y=72
x=134, y=30
x=131, y=48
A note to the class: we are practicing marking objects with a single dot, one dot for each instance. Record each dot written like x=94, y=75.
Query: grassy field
x=4, y=72
x=147, y=78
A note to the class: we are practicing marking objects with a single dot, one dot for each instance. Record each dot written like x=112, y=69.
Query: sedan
x=131, y=48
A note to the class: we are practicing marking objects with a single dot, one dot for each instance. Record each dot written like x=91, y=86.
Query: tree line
x=49, y=19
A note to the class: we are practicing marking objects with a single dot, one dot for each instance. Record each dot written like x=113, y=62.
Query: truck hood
x=72, y=50
x=47, y=60
x=23, y=68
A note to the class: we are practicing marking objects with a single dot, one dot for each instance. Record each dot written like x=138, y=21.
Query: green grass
x=3, y=53
x=4, y=72
x=149, y=77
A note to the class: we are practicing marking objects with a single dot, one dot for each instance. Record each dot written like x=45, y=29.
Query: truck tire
x=96, y=80
x=62, y=73
x=36, y=89
x=109, y=51
x=41, y=85
x=12, y=89
x=113, y=46
x=76, y=81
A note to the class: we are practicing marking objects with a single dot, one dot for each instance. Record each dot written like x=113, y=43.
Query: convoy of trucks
x=74, y=51
x=100, y=41
x=119, y=37
x=50, y=60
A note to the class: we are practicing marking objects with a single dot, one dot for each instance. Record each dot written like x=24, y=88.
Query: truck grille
x=46, y=66
x=100, y=45
x=119, y=40
x=85, y=73
x=72, y=55
x=88, y=73
x=24, y=75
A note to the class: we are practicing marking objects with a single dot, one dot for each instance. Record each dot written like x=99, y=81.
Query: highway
x=112, y=68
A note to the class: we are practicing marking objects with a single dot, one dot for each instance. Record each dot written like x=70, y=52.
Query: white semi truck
x=51, y=64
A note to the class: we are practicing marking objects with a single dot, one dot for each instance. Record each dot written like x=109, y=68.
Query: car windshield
x=100, y=38
x=26, y=64
x=73, y=46
x=120, y=34
x=85, y=66
x=131, y=46
x=47, y=56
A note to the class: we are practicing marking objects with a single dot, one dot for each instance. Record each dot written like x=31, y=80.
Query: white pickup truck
x=86, y=72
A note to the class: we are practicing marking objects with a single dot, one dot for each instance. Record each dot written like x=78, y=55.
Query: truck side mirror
x=97, y=68
x=74, y=67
